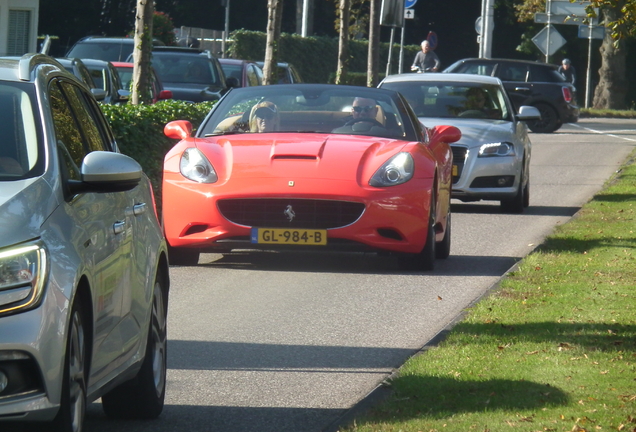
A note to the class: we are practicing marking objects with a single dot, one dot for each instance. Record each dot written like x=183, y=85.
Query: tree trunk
x=343, y=42
x=612, y=87
x=373, y=59
x=274, y=21
x=142, y=52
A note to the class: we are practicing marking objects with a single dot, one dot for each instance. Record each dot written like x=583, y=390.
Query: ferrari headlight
x=497, y=149
x=196, y=167
x=23, y=271
x=395, y=171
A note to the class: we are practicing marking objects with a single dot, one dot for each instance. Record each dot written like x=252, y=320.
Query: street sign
x=598, y=32
x=541, y=40
x=409, y=3
x=542, y=18
x=409, y=14
x=567, y=8
x=432, y=40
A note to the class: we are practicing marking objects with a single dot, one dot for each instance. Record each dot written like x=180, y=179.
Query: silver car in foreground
x=83, y=263
x=491, y=161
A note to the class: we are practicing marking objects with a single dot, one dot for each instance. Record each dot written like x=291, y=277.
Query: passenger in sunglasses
x=265, y=117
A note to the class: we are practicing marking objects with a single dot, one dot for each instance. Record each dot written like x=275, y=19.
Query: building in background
x=18, y=26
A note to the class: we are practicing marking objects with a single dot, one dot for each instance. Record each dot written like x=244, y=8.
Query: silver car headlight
x=196, y=167
x=23, y=272
x=496, y=149
x=395, y=171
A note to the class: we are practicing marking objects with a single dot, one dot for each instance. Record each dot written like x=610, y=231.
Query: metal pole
x=547, y=48
x=305, y=18
x=401, y=61
x=483, y=26
x=226, y=33
x=488, y=26
x=388, y=62
x=588, y=79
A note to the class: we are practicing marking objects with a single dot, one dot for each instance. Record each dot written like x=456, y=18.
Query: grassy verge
x=553, y=348
x=607, y=113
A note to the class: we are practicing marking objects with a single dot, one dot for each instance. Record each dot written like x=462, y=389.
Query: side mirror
x=99, y=94
x=178, y=129
x=528, y=113
x=446, y=133
x=165, y=94
x=104, y=171
x=232, y=82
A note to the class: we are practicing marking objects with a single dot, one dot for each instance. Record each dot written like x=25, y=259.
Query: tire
x=183, y=256
x=425, y=260
x=549, y=121
x=70, y=417
x=518, y=203
x=442, y=249
x=143, y=396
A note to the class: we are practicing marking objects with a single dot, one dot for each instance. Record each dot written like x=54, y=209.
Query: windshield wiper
x=224, y=133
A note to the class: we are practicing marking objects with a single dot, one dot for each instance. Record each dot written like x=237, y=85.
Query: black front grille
x=276, y=212
x=459, y=158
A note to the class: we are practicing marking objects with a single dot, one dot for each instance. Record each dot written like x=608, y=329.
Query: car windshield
x=189, y=69
x=310, y=109
x=453, y=99
x=19, y=136
x=110, y=51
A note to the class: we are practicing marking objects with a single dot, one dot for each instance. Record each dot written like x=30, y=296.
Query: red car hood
x=336, y=157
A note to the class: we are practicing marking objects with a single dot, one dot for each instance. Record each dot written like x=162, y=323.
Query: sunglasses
x=360, y=109
x=265, y=114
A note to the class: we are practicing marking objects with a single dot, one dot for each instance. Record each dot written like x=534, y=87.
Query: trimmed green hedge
x=138, y=130
x=316, y=58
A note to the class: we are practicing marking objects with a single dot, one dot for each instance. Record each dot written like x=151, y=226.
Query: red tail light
x=567, y=94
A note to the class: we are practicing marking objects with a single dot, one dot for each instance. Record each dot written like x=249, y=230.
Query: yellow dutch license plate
x=289, y=236
x=455, y=170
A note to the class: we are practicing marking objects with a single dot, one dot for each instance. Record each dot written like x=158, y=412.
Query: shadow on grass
x=439, y=397
x=571, y=245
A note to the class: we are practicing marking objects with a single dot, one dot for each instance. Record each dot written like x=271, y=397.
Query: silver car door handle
x=139, y=209
x=118, y=227
x=522, y=89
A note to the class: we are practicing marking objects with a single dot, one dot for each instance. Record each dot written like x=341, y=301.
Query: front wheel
x=70, y=417
x=549, y=121
x=520, y=201
x=425, y=260
x=143, y=396
x=442, y=249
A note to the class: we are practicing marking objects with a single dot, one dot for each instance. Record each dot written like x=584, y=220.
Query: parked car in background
x=157, y=92
x=247, y=73
x=491, y=161
x=105, y=48
x=317, y=176
x=529, y=83
x=106, y=77
x=287, y=73
x=191, y=74
x=79, y=69
x=83, y=263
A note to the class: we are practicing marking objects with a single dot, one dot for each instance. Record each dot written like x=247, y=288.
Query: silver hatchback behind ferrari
x=83, y=263
x=491, y=161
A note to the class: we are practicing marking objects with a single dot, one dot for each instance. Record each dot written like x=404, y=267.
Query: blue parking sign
x=409, y=3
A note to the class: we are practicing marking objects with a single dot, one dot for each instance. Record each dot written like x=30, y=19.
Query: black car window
x=545, y=74
x=512, y=72
x=110, y=51
x=180, y=68
x=476, y=68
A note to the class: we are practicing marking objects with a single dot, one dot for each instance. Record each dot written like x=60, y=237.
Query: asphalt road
x=278, y=342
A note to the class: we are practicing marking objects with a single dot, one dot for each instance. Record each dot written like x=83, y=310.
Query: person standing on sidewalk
x=426, y=60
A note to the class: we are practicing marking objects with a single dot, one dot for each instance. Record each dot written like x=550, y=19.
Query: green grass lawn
x=552, y=348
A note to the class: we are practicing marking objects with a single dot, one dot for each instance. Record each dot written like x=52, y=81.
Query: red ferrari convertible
x=309, y=165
